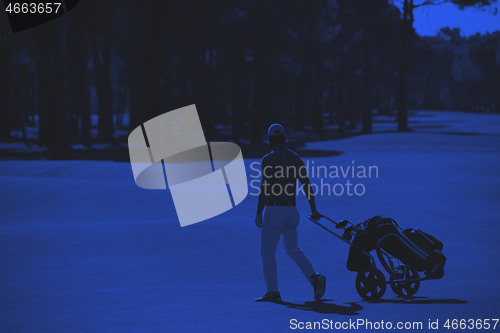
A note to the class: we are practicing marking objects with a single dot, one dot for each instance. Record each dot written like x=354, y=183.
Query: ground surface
x=83, y=249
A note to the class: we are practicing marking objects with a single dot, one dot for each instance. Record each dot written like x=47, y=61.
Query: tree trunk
x=62, y=146
x=351, y=97
x=21, y=85
x=496, y=96
x=137, y=73
x=5, y=88
x=299, y=117
x=184, y=74
x=366, y=126
x=79, y=82
x=318, y=95
x=103, y=71
x=165, y=67
x=50, y=55
x=340, y=93
x=137, y=88
x=209, y=98
x=236, y=105
x=51, y=58
x=148, y=66
x=45, y=94
x=255, y=132
x=407, y=26
x=120, y=100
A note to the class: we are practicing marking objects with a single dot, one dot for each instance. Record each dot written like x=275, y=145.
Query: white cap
x=275, y=129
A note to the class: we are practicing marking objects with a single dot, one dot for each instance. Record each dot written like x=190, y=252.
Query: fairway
x=83, y=249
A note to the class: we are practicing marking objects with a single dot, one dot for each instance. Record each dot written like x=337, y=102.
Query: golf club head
x=341, y=224
x=347, y=233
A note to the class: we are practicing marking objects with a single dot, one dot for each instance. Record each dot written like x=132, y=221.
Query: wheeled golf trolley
x=370, y=281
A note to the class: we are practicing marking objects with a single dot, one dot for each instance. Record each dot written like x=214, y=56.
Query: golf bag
x=411, y=246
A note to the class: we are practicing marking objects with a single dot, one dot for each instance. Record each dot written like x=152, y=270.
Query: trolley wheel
x=370, y=284
x=405, y=289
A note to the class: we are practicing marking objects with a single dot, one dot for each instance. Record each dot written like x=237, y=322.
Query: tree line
x=109, y=65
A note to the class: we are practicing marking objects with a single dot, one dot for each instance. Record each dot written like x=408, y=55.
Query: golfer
x=281, y=169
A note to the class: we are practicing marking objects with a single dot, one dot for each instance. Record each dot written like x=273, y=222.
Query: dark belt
x=280, y=203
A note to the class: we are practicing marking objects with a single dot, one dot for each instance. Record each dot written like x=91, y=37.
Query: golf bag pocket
x=434, y=264
x=357, y=260
x=400, y=247
x=426, y=241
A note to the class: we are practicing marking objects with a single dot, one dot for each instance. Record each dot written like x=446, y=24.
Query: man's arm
x=263, y=193
x=262, y=197
x=306, y=183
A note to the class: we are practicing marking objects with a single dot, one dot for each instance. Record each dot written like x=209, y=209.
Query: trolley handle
x=338, y=225
x=372, y=260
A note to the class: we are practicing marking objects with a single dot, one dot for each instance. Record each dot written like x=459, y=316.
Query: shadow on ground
x=420, y=300
x=322, y=306
x=121, y=154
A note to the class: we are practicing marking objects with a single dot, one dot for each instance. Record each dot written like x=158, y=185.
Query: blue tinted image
x=249, y=166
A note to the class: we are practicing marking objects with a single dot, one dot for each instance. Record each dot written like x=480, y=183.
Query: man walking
x=281, y=169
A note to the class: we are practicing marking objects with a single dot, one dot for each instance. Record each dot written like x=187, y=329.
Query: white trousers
x=281, y=220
